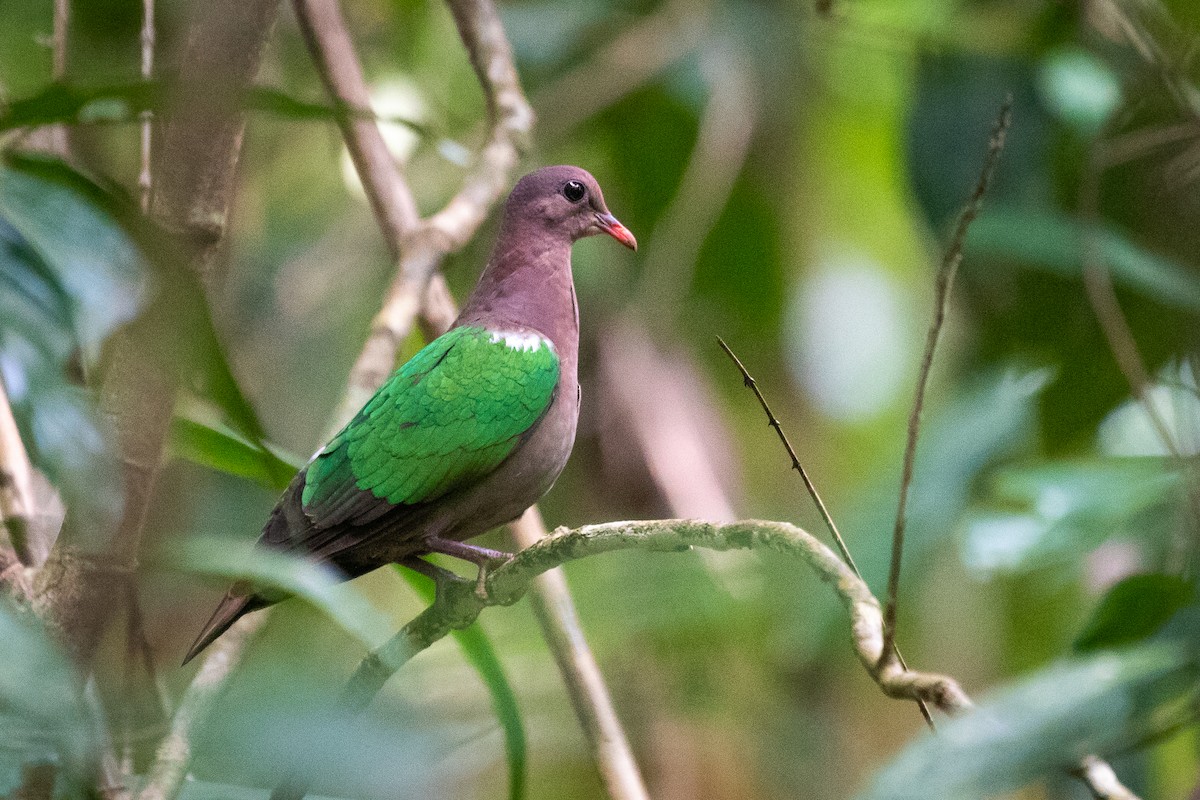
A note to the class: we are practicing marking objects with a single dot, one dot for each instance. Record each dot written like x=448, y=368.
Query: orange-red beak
x=613, y=227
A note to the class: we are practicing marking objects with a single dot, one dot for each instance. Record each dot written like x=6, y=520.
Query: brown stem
x=945, y=283
x=328, y=39
x=1102, y=297
x=17, y=507
x=555, y=610
x=145, y=176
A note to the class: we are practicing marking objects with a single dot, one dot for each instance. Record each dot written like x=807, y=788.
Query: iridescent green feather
x=448, y=416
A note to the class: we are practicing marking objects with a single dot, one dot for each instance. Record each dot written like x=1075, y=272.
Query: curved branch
x=458, y=604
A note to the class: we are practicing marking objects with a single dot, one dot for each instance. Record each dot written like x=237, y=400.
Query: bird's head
x=567, y=201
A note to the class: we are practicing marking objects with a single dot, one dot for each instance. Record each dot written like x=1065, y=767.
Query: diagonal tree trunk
x=194, y=177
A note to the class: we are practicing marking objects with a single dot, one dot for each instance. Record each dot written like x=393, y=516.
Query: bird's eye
x=574, y=191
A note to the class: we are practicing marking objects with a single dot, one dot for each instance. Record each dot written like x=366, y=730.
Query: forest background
x=794, y=174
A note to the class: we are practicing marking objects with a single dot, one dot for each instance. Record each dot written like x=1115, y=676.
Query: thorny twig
x=773, y=421
x=945, y=282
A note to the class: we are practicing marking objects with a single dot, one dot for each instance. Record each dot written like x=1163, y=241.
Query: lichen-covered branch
x=561, y=628
x=459, y=604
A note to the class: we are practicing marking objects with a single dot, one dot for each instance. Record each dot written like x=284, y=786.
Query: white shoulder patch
x=525, y=341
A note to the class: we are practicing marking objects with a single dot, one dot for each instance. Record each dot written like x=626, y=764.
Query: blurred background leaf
x=44, y=718
x=1134, y=609
x=1048, y=722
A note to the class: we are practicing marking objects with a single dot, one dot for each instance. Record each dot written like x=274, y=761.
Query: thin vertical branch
x=16, y=505
x=145, y=177
x=62, y=25
x=53, y=139
x=773, y=421
x=175, y=750
x=551, y=602
x=418, y=247
x=942, y=292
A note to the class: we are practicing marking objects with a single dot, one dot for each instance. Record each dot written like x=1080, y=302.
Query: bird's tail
x=238, y=600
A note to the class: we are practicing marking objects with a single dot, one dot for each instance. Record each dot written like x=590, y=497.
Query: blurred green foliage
x=1048, y=516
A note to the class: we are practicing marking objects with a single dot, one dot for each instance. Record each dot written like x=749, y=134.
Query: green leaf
x=177, y=326
x=1046, y=723
x=123, y=102
x=1051, y=512
x=1133, y=610
x=198, y=435
x=59, y=103
x=95, y=261
x=69, y=275
x=319, y=585
x=482, y=656
x=43, y=717
x=1054, y=242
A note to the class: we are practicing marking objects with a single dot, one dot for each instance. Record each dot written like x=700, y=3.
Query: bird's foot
x=482, y=557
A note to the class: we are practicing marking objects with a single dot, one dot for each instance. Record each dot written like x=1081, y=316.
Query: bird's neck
x=528, y=283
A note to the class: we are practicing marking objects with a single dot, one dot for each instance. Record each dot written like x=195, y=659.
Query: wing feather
x=449, y=416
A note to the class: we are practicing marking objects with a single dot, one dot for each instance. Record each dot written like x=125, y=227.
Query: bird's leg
x=482, y=557
x=438, y=575
x=441, y=578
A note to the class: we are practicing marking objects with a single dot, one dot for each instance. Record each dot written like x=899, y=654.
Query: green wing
x=447, y=417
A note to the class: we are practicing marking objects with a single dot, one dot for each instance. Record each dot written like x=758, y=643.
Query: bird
x=472, y=430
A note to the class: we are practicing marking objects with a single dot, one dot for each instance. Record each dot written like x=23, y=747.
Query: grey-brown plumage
x=471, y=431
